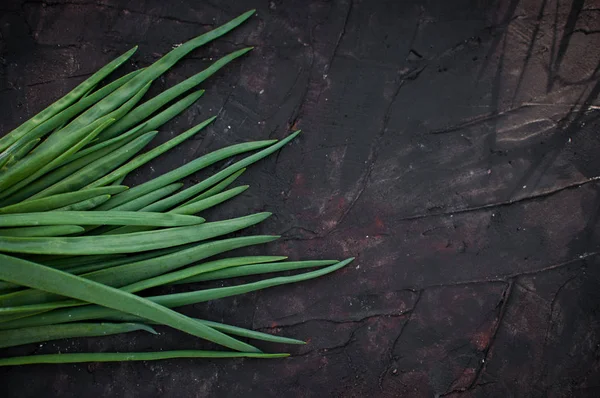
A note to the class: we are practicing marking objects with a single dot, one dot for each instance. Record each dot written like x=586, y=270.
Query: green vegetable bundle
x=76, y=246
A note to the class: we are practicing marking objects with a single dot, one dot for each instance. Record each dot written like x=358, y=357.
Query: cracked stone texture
x=451, y=146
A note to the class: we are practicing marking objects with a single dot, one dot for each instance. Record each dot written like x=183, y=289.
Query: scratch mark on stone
x=341, y=35
x=120, y=9
x=374, y=153
x=503, y=204
x=551, y=320
x=503, y=306
x=393, y=345
x=342, y=322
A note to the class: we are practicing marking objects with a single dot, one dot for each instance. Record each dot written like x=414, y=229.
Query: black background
x=451, y=146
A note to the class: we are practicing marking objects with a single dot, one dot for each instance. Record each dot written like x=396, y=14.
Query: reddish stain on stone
x=443, y=246
x=283, y=246
x=299, y=180
x=408, y=383
x=481, y=340
x=392, y=323
x=378, y=227
x=254, y=82
x=299, y=186
x=464, y=380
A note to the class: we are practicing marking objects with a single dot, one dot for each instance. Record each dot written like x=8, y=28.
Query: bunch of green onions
x=76, y=246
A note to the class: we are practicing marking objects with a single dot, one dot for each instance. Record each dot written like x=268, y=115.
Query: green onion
x=147, y=108
x=25, y=188
x=149, y=198
x=132, y=272
x=100, y=167
x=51, y=230
x=65, y=262
x=255, y=269
x=190, y=209
x=194, y=190
x=11, y=338
x=97, y=217
x=45, y=278
x=60, y=200
x=251, y=334
x=60, y=119
x=93, y=151
x=127, y=243
x=76, y=245
x=64, y=102
x=184, y=171
x=217, y=188
x=20, y=153
x=85, y=204
x=11, y=153
x=130, y=356
x=148, y=156
x=169, y=301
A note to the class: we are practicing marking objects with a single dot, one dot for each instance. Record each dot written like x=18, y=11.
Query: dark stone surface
x=452, y=146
